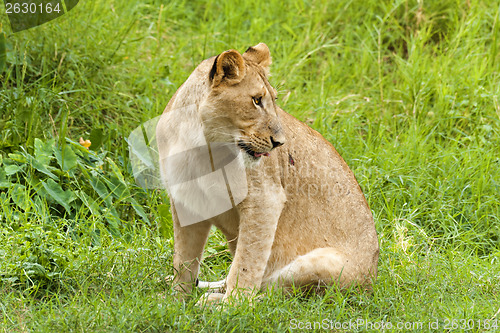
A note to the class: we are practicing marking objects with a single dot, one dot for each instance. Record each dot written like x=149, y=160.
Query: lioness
x=302, y=221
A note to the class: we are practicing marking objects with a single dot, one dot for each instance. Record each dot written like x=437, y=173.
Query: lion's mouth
x=250, y=151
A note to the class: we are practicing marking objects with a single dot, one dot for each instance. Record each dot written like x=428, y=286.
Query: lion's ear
x=228, y=67
x=259, y=54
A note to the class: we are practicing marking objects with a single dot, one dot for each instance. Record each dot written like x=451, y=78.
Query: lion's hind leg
x=318, y=269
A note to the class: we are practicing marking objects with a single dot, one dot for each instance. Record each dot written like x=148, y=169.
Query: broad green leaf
x=66, y=157
x=19, y=196
x=28, y=159
x=117, y=184
x=4, y=182
x=104, y=194
x=18, y=158
x=89, y=202
x=118, y=189
x=138, y=209
x=43, y=151
x=97, y=138
x=115, y=169
x=113, y=221
x=58, y=194
x=101, y=189
x=45, y=169
x=12, y=169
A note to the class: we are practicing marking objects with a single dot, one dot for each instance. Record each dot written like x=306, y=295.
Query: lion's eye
x=257, y=100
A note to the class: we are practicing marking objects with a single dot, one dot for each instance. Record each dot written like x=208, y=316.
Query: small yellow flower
x=85, y=143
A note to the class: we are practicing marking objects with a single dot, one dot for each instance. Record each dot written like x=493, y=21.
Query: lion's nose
x=277, y=141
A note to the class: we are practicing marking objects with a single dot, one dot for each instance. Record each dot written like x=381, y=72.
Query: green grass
x=407, y=91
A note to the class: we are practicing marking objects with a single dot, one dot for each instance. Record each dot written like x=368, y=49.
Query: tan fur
x=304, y=221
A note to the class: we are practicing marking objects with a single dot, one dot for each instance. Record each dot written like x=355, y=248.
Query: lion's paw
x=210, y=299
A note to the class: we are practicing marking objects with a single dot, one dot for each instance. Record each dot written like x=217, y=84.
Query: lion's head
x=240, y=107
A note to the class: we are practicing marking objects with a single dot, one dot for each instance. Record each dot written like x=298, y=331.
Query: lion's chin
x=249, y=161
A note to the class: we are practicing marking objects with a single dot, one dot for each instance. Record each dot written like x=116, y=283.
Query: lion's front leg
x=258, y=223
x=189, y=242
